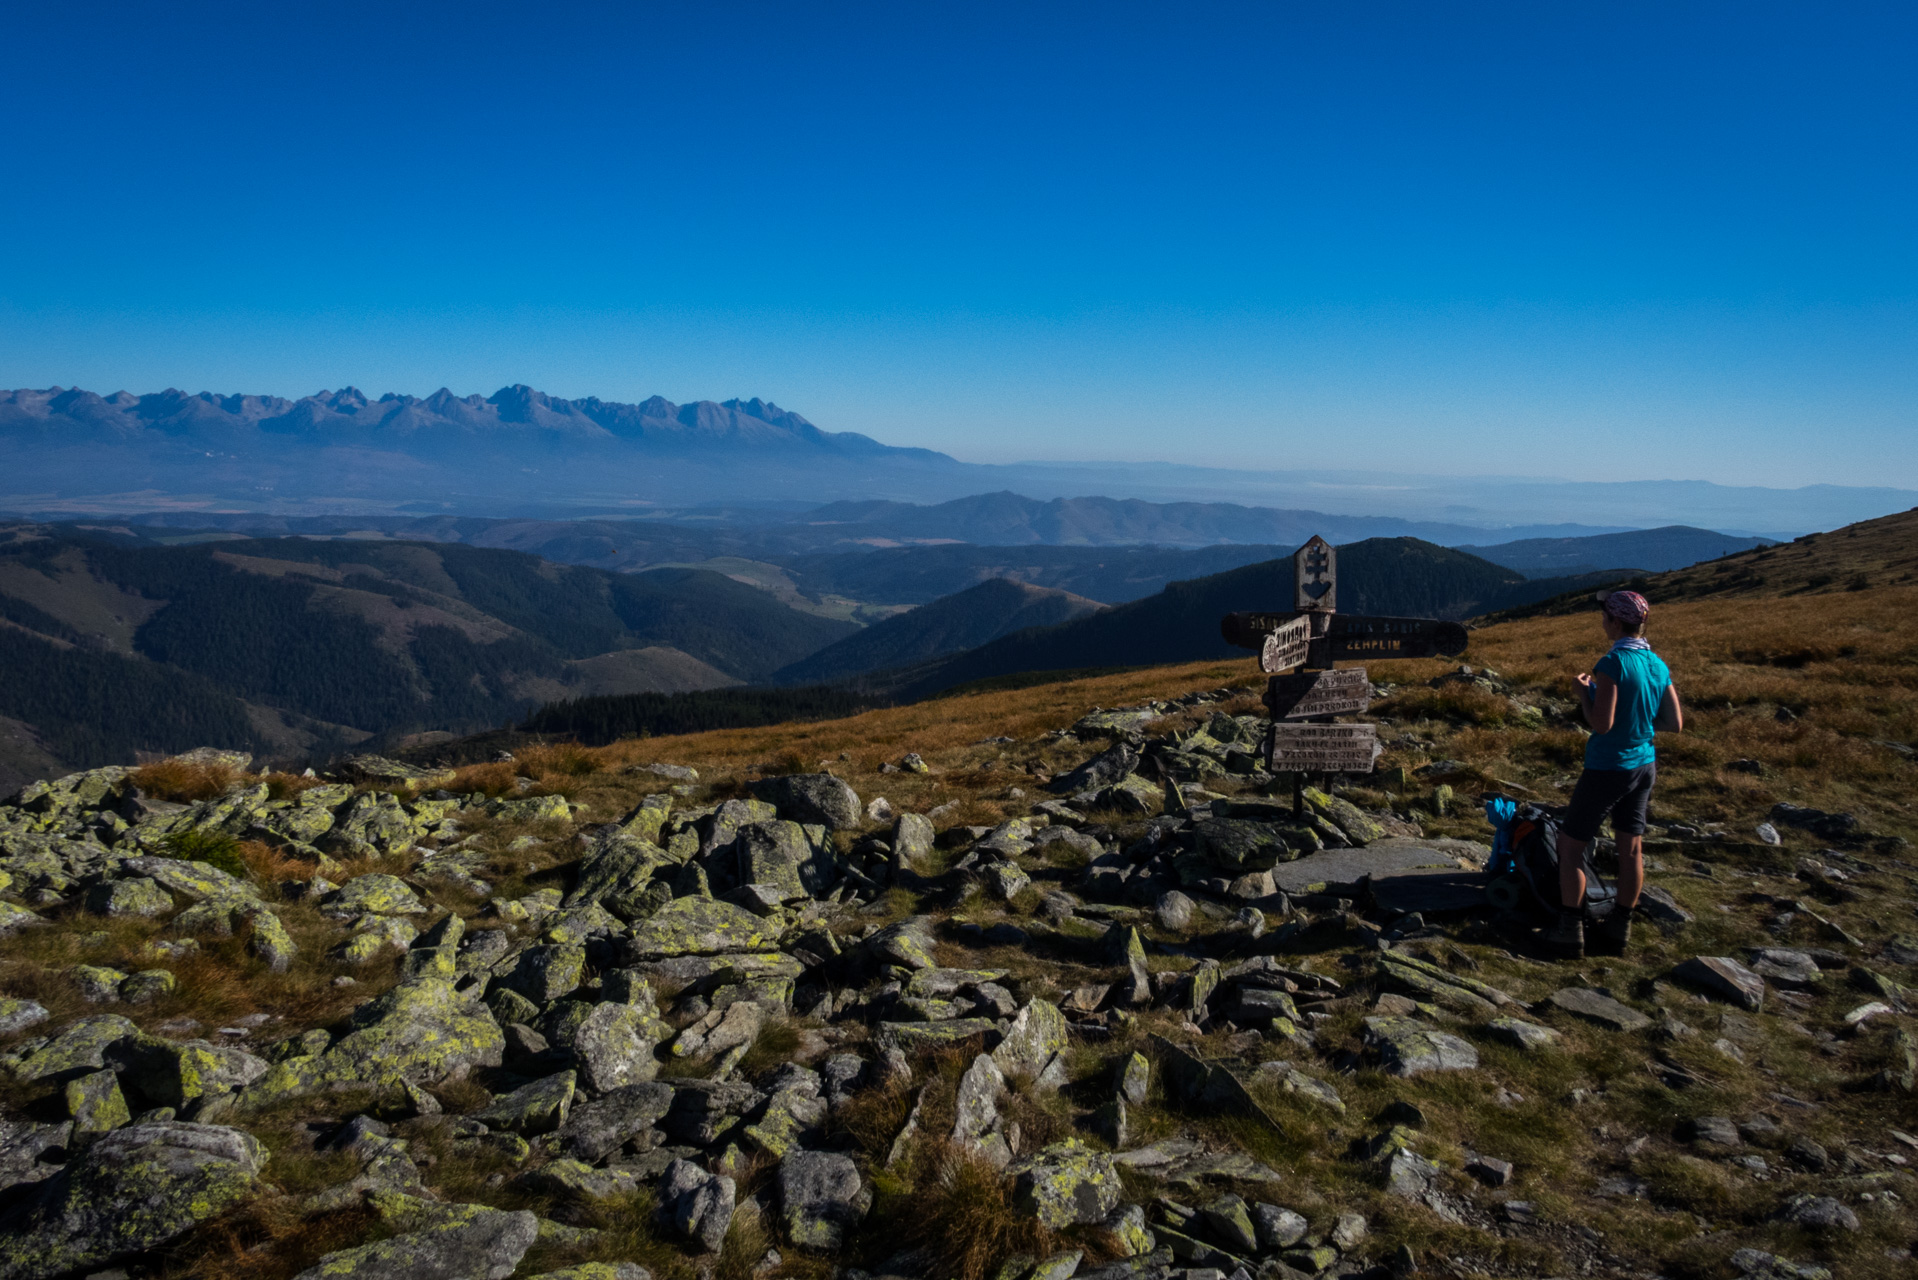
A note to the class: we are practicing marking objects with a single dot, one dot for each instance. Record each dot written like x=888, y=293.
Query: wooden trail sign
x=1355, y=636
x=1315, y=571
x=1323, y=748
x=1319, y=693
x=1287, y=645
x=1352, y=635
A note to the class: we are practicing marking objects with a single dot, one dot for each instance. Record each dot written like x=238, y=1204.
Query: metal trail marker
x=1298, y=649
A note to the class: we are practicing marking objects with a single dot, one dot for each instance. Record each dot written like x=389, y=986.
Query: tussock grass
x=184, y=781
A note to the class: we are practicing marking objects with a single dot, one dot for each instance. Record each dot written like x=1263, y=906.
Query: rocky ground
x=744, y=1022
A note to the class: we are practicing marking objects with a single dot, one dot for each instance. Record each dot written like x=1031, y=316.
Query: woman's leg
x=1571, y=872
x=1631, y=870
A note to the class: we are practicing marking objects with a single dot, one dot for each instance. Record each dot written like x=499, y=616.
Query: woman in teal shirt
x=1627, y=698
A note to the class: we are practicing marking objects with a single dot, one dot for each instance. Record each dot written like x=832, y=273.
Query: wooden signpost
x=1319, y=693
x=1297, y=650
x=1324, y=748
x=1286, y=645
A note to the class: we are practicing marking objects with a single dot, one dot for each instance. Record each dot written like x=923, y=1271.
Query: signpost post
x=1298, y=650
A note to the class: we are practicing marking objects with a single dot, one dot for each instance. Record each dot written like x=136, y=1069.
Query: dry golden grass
x=184, y=781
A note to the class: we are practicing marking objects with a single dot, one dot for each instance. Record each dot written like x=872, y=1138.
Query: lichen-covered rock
x=1033, y=1043
x=976, y=1105
x=96, y=1105
x=375, y=894
x=598, y=1271
x=907, y=943
x=147, y=986
x=1407, y=1047
x=780, y=855
x=176, y=1074
x=914, y=1037
x=134, y=896
x=532, y=1109
x=80, y=1047
x=424, y=1031
x=531, y=809
x=699, y=926
x=1066, y=1183
x=618, y=865
x=378, y=937
x=459, y=1242
x=821, y=1196
x=195, y=880
x=1236, y=845
x=614, y=1045
x=18, y=1015
x=97, y=983
x=1346, y=816
x=697, y=1204
x=812, y=797
x=1231, y=1222
x=912, y=837
x=596, y=1130
x=133, y=1189
x=548, y=973
x=31, y=1152
x=576, y=1180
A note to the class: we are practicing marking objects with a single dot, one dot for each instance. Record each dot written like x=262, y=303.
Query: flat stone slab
x=1596, y=1006
x=1429, y=892
x=1379, y=859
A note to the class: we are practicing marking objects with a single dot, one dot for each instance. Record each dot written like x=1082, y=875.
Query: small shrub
x=183, y=781
x=215, y=848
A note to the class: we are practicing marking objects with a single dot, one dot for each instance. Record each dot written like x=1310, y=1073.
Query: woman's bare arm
x=1671, y=716
x=1601, y=708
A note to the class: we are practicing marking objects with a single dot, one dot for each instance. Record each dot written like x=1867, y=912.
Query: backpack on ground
x=1522, y=873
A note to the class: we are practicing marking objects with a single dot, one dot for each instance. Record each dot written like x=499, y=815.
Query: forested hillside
x=962, y=621
x=289, y=646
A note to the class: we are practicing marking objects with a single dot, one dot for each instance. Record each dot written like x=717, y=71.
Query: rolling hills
x=290, y=646
x=1648, y=550
x=953, y=623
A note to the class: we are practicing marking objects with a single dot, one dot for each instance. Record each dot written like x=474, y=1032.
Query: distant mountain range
x=521, y=452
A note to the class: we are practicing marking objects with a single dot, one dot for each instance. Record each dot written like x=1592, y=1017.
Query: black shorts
x=1624, y=793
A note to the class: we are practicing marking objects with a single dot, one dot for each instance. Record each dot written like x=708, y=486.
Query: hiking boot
x=1610, y=936
x=1566, y=938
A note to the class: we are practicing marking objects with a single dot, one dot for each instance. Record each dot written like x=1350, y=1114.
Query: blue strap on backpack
x=1500, y=812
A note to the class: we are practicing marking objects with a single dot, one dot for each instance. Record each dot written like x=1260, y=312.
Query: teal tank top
x=1642, y=678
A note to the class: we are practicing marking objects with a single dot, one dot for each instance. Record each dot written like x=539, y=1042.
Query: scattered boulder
x=133, y=1189
x=1596, y=1006
x=1724, y=976
x=821, y=1195
x=1408, y=1047
x=812, y=797
x=445, y=1242
x=697, y=1204
x=1066, y=1183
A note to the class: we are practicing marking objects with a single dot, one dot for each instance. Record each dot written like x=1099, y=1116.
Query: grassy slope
x=1739, y=661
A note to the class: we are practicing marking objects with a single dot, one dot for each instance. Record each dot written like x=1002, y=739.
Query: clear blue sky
x=1611, y=241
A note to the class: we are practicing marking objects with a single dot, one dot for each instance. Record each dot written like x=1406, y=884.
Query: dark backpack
x=1522, y=873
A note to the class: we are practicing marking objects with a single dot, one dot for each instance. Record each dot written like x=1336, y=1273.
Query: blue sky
x=1620, y=241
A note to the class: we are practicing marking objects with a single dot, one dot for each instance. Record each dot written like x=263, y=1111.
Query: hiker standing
x=1627, y=698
